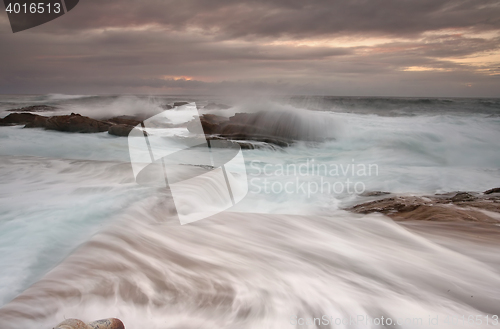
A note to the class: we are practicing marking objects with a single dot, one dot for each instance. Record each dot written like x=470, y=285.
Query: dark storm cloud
x=195, y=46
x=292, y=18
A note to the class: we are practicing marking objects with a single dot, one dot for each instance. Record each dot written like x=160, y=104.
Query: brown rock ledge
x=451, y=207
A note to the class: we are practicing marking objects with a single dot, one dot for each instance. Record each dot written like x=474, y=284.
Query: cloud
x=290, y=18
x=384, y=47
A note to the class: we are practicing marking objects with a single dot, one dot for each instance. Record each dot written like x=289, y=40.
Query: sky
x=407, y=48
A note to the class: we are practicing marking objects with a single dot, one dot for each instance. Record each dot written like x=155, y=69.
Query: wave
x=58, y=97
x=79, y=238
x=276, y=120
x=249, y=270
x=397, y=106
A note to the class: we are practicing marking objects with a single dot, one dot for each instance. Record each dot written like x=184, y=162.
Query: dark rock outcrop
x=71, y=123
x=125, y=120
x=39, y=122
x=493, y=190
x=232, y=129
x=18, y=119
x=120, y=130
x=76, y=123
x=211, y=124
x=176, y=104
x=35, y=108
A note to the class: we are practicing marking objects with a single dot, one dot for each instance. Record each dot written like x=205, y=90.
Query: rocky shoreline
x=278, y=130
x=267, y=129
x=73, y=123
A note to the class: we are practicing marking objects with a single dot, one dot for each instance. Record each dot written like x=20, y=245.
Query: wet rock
x=463, y=196
x=493, y=190
x=35, y=108
x=452, y=207
x=374, y=193
x=177, y=104
x=281, y=129
x=18, y=119
x=112, y=323
x=72, y=324
x=75, y=123
x=248, y=145
x=39, y=122
x=120, y=130
x=125, y=120
x=107, y=324
x=211, y=124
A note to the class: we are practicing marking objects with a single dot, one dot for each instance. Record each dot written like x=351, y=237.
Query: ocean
x=80, y=238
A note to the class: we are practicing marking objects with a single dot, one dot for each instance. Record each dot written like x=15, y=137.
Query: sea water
x=79, y=238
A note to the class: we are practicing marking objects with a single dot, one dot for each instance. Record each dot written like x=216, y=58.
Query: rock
x=211, y=124
x=125, y=120
x=373, y=193
x=215, y=106
x=100, y=324
x=248, y=145
x=120, y=130
x=257, y=138
x=107, y=324
x=463, y=196
x=39, y=122
x=493, y=190
x=76, y=123
x=72, y=324
x=451, y=207
x=167, y=107
x=18, y=119
x=35, y=108
x=281, y=128
x=177, y=104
